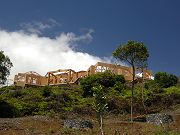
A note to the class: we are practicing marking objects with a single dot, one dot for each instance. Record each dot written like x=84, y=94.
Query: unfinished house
x=64, y=76
x=29, y=79
x=119, y=70
x=69, y=76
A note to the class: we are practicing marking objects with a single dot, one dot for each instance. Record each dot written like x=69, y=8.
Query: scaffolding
x=69, y=76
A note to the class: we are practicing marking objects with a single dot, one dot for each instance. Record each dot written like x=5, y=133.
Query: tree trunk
x=132, y=93
x=142, y=92
x=101, y=124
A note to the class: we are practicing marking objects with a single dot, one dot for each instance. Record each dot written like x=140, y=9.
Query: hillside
x=50, y=106
x=43, y=125
x=60, y=99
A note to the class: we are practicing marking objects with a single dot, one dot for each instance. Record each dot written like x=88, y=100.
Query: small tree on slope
x=100, y=104
x=132, y=53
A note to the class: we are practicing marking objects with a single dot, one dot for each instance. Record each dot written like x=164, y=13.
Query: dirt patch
x=28, y=125
x=41, y=125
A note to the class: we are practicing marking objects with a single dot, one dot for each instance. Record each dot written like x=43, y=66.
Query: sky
x=45, y=35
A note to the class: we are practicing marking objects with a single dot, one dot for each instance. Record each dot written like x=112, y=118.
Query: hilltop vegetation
x=61, y=99
x=73, y=101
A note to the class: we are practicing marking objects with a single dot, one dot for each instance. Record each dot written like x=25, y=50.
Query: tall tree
x=142, y=66
x=5, y=66
x=133, y=53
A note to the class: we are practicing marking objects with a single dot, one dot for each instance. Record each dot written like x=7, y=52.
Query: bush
x=7, y=88
x=173, y=90
x=153, y=86
x=46, y=92
x=106, y=79
x=119, y=87
x=7, y=110
x=15, y=93
x=118, y=105
x=165, y=80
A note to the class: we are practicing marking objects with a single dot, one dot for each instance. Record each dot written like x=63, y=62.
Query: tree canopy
x=132, y=53
x=5, y=66
x=165, y=80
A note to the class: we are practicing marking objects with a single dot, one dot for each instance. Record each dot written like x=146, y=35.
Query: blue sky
x=109, y=22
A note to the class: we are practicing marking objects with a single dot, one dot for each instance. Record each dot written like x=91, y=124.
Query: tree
x=133, y=53
x=165, y=80
x=5, y=66
x=106, y=79
x=100, y=104
x=143, y=65
x=178, y=81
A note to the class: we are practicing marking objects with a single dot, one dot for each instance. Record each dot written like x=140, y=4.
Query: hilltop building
x=69, y=76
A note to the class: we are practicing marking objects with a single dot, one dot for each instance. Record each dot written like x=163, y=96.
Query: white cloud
x=30, y=52
x=37, y=27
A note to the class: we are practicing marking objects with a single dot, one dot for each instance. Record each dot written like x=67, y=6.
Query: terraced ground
x=42, y=125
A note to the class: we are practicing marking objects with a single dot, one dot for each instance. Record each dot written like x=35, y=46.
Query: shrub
x=7, y=88
x=119, y=87
x=106, y=79
x=46, y=92
x=7, y=110
x=165, y=80
x=118, y=105
x=120, y=79
x=153, y=86
x=15, y=93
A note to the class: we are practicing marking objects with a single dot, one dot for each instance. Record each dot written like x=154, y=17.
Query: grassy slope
x=66, y=102
x=51, y=100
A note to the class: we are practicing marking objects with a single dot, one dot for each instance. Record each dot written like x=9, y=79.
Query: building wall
x=70, y=76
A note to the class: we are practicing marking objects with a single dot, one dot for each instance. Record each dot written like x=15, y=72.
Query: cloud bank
x=31, y=52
